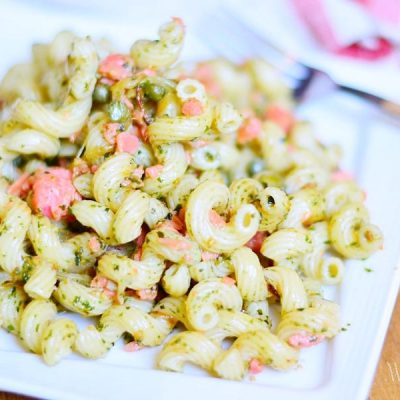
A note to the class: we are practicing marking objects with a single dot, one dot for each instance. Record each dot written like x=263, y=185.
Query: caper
x=118, y=111
x=101, y=93
x=153, y=91
x=18, y=162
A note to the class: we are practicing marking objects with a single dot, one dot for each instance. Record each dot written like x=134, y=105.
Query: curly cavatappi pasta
x=146, y=197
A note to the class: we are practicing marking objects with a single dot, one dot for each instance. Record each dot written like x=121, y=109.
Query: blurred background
x=355, y=41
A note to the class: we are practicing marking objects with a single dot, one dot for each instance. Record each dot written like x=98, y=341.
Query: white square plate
x=342, y=368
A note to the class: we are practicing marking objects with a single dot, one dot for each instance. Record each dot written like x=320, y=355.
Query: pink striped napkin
x=352, y=27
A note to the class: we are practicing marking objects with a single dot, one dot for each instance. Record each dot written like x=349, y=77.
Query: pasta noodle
x=260, y=345
x=351, y=233
x=218, y=237
x=193, y=347
x=289, y=286
x=210, y=269
x=206, y=298
x=163, y=52
x=232, y=324
x=321, y=321
x=150, y=329
x=249, y=275
x=286, y=246
x=128, y=273
x=14, y=226
x=41, y=281
x=174, y=164
x=74, y=255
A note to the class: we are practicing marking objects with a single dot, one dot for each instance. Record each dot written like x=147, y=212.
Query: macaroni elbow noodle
x=83, y=62
x=163, y=52
x=259, y=310
x=310, y=325
x=310, y=152
x=326, y=268
x=274, y=206
x=286, y=246
x=71, y=116
x=60, y=123
x=249, y=275
x=207, y=298
x=307, y=206
x=42, y=281
x=188, y=89
x=213, y=234
x=128, y=273
x=212, y=175
x=173, y=308
x=180, y=128
x=227, y=120
x=15, y=219
x=112, y=180
x=289, y=286
x=73, y=255
x=261, y=345
x=205, y=158
x=34, y=320
x=331, y=270
x=95, y=145
x=274, y=149
x=210, y=269
x=179, y=196
x=176, y=280
x=243, y=191
x=338, y=194
x=174, y=164
x=96, y=216
x=57, y=340
x=233, y=324
x=31, y=141
x=42, y=334
x=148, y=329
x=12, y=303
x=157, y=211
x=172, y=246
x=130, y=216
x=87, y=301
x=351, y=233
x=20, y=82
x=301, y=178
x=187, y=347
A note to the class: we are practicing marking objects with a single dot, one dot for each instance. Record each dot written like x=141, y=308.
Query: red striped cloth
x=333, y=29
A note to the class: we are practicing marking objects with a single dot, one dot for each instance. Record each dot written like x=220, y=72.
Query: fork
x=230, y=37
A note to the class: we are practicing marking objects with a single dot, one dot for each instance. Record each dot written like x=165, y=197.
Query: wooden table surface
x=386, y=385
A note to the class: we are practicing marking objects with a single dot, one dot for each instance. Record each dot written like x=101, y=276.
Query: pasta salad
x=148, y=196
